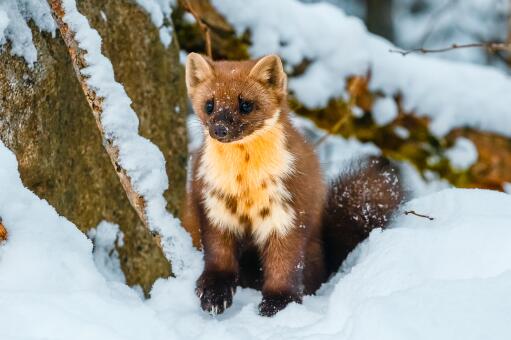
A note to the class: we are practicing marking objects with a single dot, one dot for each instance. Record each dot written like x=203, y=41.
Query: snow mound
x=446, y=278
x=339, y=46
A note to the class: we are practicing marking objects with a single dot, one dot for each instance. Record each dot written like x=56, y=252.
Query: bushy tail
x=359, y=200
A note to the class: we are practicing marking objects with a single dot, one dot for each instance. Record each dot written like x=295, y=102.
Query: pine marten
x=267, y=219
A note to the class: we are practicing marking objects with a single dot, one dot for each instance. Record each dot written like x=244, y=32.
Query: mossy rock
x=45, y=120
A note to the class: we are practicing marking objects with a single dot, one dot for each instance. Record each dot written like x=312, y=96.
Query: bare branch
x=77, y=55
x=203, y=26
x=492, y=47
x=344, y=118
x=354, y=89
x=411, y=212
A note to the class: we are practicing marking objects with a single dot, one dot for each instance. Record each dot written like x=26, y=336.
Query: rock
x=46, y=122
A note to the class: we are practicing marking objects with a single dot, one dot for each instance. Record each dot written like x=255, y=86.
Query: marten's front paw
x=274, y=303
x=215, y=291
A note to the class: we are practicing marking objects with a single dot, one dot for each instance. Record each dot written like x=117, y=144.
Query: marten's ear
x=198, y=69
x=270, y=72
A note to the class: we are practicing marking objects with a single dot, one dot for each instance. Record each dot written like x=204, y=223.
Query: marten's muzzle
x=225, y=127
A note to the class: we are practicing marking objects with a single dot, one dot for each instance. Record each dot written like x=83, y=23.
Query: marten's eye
x=209, y=106
x=245, y=106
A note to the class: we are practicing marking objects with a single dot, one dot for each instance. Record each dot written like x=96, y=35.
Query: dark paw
x=215, y=291
x=272, y=304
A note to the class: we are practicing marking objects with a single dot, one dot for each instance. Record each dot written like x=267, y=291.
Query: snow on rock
x=14, y=15
x=142, y=160
x=463, y=154
x=338, y=46
x=160, y=12
x=106, y=237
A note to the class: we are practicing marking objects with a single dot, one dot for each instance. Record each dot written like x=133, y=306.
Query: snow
x=14, y=15
x=106, y=237
x=384, y=111
x=402, y=132
x=339, y=46
x=447, y=279
x=440, y=23
x=142, y=160
x=160, y=12
x=49, y=286
x=463, y=154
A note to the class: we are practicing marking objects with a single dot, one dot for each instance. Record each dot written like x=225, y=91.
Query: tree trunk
x=379, y=18
x=45, y=120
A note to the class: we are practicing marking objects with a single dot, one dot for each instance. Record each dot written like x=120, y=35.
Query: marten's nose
x=220, y=131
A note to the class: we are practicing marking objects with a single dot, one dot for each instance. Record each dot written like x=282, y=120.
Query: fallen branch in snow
x=203, y=26
x=3, y=231
x=96, y=104
x=492, y=47
x=411, y=212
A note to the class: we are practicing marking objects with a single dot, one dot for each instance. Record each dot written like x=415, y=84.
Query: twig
x=411, y=212
x=490, y=46
x=203, y=26
x=334, y=130
x=354, y=90
x=77, y=55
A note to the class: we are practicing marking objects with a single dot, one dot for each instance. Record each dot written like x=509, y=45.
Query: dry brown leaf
x=3, y=232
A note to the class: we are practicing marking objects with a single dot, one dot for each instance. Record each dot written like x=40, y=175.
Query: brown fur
x=361, y=199
x=257, y=193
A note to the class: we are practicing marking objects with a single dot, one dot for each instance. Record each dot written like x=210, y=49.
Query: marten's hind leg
x=251, y=270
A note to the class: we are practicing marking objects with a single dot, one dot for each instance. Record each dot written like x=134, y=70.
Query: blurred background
x=437, y=24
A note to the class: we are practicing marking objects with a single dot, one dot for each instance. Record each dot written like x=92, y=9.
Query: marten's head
x=236, y=99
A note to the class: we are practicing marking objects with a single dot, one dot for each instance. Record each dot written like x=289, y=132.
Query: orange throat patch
x=244, y=187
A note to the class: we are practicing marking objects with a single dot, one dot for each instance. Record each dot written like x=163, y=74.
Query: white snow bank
x=453, y=94
x=14, y=15
x=443, y=279
x=142, y=160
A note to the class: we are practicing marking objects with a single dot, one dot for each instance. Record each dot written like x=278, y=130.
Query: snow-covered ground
x=448, y=278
